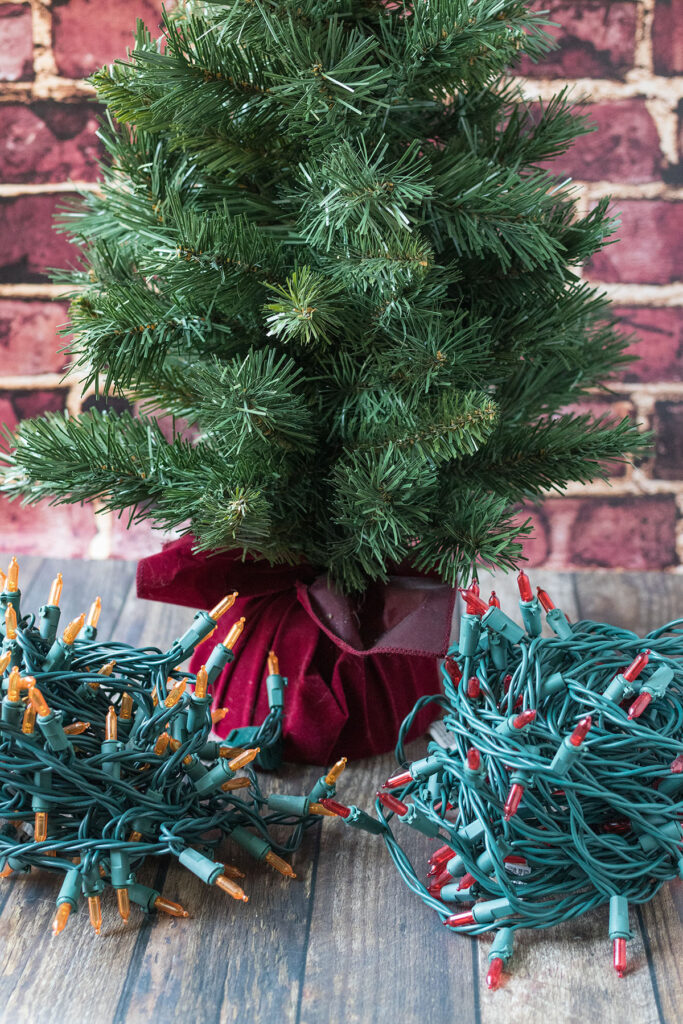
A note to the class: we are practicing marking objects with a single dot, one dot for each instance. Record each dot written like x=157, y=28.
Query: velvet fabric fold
x=355, y=667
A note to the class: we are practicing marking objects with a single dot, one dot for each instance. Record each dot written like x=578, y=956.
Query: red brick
x=659, y=344
x=30, y=243
x=21, y=405
x=650, y=245
x=16, y=43
x=89, y=33
x=625, y=146
x=29, y=342
x=668, y=424
x=8, y=417
x=48, y=142
x=595, y=40
x=611, y=533
x=43, y=529
x=667, y=37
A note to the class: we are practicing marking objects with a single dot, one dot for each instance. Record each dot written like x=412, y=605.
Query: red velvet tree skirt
x=355, y=669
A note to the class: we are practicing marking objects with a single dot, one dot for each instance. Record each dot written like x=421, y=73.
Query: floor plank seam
x=309, y=922
x=650, y=965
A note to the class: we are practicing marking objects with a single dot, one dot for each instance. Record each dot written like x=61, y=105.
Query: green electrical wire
x=560, y=787
x=109, y=753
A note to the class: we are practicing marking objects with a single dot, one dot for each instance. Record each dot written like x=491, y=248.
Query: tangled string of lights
x=106, y=759
x=560, y=787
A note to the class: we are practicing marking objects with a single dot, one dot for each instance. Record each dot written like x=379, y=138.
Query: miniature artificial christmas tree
x=327, y=243
x=325, y=239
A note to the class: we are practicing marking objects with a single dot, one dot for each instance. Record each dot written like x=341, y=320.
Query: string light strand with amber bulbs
x=108, y=758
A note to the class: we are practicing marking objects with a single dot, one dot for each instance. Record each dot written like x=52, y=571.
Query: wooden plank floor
x=345, y=941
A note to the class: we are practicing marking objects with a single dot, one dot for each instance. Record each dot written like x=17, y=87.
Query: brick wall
x=625, y=58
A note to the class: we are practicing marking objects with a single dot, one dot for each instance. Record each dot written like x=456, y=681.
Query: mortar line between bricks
x=621, y=294
x=642, y=53
x=636, y=84
x=11, y=190
x=590, y=189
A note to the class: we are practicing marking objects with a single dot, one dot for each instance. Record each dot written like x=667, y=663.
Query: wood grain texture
x=375, y=952
x=346, y=941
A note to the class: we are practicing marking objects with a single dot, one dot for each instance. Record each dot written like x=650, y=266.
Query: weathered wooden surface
x=346, y=941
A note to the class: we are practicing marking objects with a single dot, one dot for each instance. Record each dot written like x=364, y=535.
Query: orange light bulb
x=111, y=725
x=169, y=907
x=175, y=694
x=126, y=708
x=218, y=715
x=28, y=723
x=73, y=629
x=232, y=888
x=240, y=783
x=14, y=686
x=123, y=903
x=161, y=744
x=12, y=582
x=10, y=622
x=4, y=661
x=273, y=664
x=54, y=598
x=95, y=913
x=39, y=703
x=107, y=669
x=234, y=634
x=61, y=918
x=94, y=613
x=223, y=605
x=243, y=759
x=40, y=827
x=202, y=684
x=76, y=728
x=279, y=864
x=335, y=771
x=230, y=871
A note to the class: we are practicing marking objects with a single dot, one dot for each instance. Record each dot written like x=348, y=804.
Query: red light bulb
x=341, y=810
x=402, y=779
x=474, y=587
x=493, y=600
x=525, y=718
x=443, y=878
x=514, y=799
x=473, y=688
x=545, y=599
x=640, y=704
x=473, y=759
x=581, y=731
x=453, y=669
x=494, y=972
x=619, y=955
x=460, y=920
x=525, y=591
x=506, y=683
x=677, y=765
x=466, y=881
x=475, y=605
x=636, y=666
x=444, y=853
x=392, y=803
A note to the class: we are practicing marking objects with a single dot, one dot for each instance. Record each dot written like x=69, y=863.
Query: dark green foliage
x=325, y=242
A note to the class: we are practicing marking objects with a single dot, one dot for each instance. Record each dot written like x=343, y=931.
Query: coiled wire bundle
x=558, y=786
x=106, y=758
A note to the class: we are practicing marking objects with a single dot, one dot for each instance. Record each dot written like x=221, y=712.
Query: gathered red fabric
x=355, y=667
